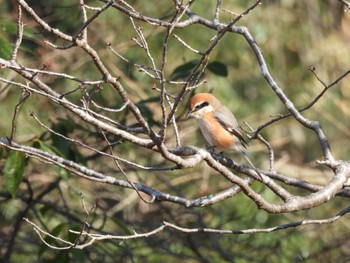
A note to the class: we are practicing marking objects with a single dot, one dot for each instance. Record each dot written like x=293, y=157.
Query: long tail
x=249, y=161
x=251, y=164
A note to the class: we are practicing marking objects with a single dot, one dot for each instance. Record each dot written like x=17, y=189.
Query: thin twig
x=124, y=174
x=346, y=3
x=24, y=95
x=306, y=107
x=187, y=45
x=19, y=35
x=84, y=31
x=165, y=224
x=87, y=22
x=217, y=11
x=262, y=230
x=267, y=144
x=93, y=149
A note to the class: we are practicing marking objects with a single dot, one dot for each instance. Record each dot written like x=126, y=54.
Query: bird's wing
x=226, y=118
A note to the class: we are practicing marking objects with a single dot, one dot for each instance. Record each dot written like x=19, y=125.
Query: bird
x=216, y=122
x=218, y=125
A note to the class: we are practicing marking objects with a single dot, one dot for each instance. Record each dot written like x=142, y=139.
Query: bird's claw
x=210, y=149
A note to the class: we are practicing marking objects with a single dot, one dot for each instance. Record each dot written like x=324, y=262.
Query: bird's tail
x=245, y=156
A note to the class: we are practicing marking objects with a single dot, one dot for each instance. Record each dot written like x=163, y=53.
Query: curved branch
x=98, y=237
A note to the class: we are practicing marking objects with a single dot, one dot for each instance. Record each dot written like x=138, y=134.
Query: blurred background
x=293, y=36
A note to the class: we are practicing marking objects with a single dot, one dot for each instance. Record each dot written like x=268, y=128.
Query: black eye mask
x=202, y=105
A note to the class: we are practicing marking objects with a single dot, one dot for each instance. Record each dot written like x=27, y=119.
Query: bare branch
x=19, y=35
x=99, y=237
x=24, y=95
x=346, y=3
x=187, y=45
x=124, y=174
x=217, y=11
x=306, y=107
x=262, y=230
x=100, y=124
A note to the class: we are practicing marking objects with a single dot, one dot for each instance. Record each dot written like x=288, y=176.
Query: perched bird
x=217, y=124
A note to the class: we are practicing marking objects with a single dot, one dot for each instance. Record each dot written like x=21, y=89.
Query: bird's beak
x=189, y=114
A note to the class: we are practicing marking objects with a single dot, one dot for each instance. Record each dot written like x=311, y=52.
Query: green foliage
x=14, y=171
x=218, y=68
x=5, y=48
x=9, y=210
x=8, y=29
x=184, y=71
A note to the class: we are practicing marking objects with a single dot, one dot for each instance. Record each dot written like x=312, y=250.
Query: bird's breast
x=214, y=133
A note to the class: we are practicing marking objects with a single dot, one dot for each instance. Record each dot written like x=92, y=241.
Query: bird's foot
x=221, y=154
x=210, y=149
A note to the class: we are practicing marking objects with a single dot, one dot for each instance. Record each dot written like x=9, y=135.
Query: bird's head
x=201, y=104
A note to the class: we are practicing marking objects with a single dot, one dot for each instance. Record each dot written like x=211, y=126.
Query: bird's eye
x=201, y=105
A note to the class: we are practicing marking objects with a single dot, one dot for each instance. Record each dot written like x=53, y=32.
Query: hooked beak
x=189, y=114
